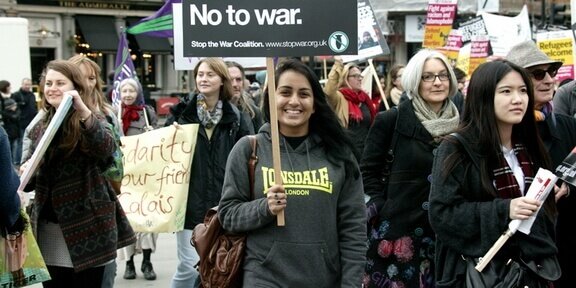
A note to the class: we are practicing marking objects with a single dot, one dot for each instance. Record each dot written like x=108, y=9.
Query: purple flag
x=124, y=69
x=157, y=25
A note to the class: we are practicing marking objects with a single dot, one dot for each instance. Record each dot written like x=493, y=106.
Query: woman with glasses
x=400, y=146
x=558, y=132
x=352, y=105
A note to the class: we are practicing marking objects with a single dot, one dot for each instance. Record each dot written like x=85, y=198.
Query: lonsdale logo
x=318, y=179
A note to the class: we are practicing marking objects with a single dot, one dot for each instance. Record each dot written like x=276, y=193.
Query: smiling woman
x=221, y=125
x=72, y=196
x=321, y=183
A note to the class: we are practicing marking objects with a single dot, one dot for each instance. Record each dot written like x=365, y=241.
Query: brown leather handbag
x=221, y=252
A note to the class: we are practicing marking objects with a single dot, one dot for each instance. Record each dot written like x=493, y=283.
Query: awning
x=149, y=44
x=99, y=32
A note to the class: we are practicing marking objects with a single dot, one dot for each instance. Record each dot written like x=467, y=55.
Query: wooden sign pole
x=375, y=75
x=275, y=134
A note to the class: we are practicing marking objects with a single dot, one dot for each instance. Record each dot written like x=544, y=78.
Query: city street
x=164, y=261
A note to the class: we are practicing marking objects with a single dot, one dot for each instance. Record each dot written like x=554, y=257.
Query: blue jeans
x=186, y=275
x=17, y=152
x=109, y=275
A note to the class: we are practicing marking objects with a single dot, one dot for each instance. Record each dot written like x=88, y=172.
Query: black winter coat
x=405, y=202
x=559, y=137
x=210, y=156
x=468, y=220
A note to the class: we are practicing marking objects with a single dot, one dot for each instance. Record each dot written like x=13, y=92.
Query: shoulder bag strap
x=252, y=163
x=466, y=147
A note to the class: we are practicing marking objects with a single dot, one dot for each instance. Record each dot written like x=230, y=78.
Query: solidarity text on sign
x=156, y=177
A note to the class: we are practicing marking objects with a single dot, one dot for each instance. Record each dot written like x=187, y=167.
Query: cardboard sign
x=156, y=177
x=248, y=28
x=370, y=39
x=559, y=46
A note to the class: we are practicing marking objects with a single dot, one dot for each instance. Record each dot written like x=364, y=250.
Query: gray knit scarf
x=437, y=124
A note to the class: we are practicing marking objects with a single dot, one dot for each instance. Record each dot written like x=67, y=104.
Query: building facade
x=61, y=29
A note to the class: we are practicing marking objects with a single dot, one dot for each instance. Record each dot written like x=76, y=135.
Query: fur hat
x=526, y=54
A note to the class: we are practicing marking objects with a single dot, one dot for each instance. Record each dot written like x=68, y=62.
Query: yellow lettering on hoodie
x=318, y=179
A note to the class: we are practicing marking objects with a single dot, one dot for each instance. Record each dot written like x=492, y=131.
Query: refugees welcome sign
x=247, y=28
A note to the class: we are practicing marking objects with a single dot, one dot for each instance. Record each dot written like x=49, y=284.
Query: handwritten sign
x=156, y=177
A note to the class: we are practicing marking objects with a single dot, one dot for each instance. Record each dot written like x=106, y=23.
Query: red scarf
x=505, y=182
x=354, y=99
x=130, y=114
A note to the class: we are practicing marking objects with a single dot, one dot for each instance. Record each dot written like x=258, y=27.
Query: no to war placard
x=248, y=28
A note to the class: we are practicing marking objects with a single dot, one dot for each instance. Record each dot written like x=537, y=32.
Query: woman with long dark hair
x=321, y=193
x=472, y=205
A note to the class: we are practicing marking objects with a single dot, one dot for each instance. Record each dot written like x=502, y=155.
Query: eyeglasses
x=357, y=76
x=539, y=74
x=429, y=77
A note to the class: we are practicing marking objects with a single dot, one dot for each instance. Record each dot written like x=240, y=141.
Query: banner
x=505, y=32
x=370, y=40
x=559, y=46
x=245, y=28
x=479, y=52
x=156, y=177
x=439, y=20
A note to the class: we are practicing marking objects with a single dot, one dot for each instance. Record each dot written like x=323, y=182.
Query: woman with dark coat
x=221, y=126
x=472, y=204
x=401, y=242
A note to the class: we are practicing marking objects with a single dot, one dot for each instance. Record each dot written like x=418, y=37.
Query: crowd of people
x=374, y=195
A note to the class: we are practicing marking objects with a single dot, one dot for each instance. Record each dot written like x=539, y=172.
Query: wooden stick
x=495, y=248
x=375, y=75
x=325, y=68
x=275, y=135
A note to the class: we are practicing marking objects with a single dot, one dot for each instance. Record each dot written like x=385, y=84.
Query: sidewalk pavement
x=164, y=261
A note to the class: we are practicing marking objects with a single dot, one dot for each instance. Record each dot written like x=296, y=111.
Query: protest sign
x=472, y=27
x=453, y=46
x=478, y=52
x=567, y=169
x=559, y=46
x=156, y=177
x=47, y=137
x=505, y=32
x=268, y=28
x=439, y=20
x=370, y=40
x=188, y=63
